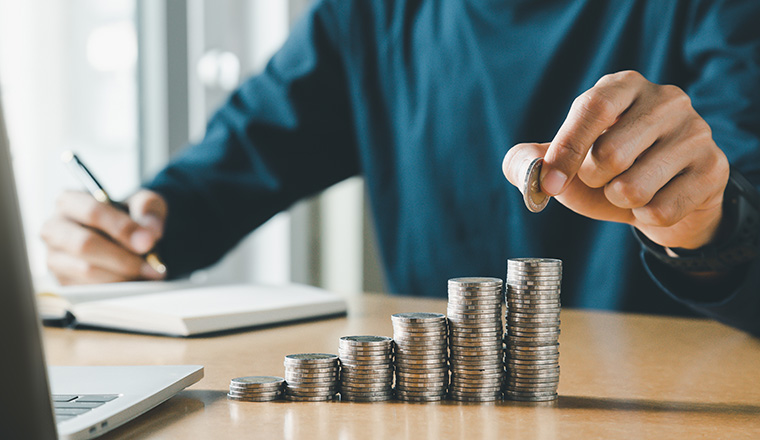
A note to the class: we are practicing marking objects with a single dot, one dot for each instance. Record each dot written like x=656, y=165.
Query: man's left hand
x=634, y=152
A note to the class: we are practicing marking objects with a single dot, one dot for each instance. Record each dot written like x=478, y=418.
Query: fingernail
x=553, y=182
x=148, y=272
x=142, y=241
x=151, y=223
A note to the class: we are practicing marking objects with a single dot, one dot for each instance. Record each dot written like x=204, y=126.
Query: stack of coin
x=366, y=368
x=532, y=330
x=256, y=388
x=422, y=370
x=311, y=376
x=475, y=335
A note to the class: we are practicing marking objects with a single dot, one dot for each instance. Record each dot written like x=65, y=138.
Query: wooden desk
x=623, y=376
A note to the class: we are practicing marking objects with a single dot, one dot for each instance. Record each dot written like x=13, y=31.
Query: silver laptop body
x=89, y=401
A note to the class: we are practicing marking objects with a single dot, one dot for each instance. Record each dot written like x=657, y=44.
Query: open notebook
x=184, y=308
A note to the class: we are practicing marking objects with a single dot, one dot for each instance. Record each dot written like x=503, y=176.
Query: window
x=68, y=76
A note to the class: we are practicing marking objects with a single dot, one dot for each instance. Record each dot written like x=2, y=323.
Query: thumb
x=518, y=159
x=149, y=210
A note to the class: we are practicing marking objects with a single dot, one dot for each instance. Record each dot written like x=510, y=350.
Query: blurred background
x=127, y=84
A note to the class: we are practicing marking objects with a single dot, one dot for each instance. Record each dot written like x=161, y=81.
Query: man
x=424, y=98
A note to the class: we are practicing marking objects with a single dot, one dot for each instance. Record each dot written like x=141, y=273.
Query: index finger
x=115, y=223
x=591, y=114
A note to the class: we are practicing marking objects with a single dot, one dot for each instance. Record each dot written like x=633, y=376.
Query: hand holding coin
x=633, y=152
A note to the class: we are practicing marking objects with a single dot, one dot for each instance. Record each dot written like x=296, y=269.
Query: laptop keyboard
x=68, y=406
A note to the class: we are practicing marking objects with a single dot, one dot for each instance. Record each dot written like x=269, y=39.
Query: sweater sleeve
x=722, y=55
x=283, y=135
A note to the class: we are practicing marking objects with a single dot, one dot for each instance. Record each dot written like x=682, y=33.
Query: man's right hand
x=91, y=242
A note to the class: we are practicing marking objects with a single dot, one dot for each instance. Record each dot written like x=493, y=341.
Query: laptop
x=66, y=402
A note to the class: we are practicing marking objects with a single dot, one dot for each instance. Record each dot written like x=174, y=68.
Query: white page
x=210, y=308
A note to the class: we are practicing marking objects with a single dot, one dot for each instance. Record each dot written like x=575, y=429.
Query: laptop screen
x=27, y=412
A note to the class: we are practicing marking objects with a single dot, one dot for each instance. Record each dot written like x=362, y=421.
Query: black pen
x=99, y=193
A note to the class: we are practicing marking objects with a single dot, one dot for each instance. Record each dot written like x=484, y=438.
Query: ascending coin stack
x=422, y=370
x=256, y=388
x=366, y=368
x=532, y=329
x=311, y=376
x=475, y=339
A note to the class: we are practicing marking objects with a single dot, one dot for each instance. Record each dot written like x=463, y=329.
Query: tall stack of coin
x=256, y=388
x=311, y=376
x=532, y=331
x=422, y=371
x=475, y=335
x=366, y=373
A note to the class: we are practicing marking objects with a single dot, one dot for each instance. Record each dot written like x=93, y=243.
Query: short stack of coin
x=422, y=370
x=311, y=376
x=256, y=388
x=366, y=368
x=475, y=339
x=532, y=330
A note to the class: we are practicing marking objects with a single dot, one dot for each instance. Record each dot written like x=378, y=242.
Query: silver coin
x=405, y=369
x=356, y=346
x=240, y=392
x=535, y=261
x=468, y=289
x=530, y=382
x=485, y=343
x=421, y=376
x=545, y=307
x=530, y=297
x=310, y=393
x=378, y=387
x=253, y=398
x=479, y=399
x=375, y=358
x=546, y=289
x=364, y=397
x=415, y=317
x=426, y=399
x=422, y=351
x=536, y=374
x=526, y=356
x=469, y=304
x=319, y=368
x=311, y=358
x=496, y=372
x=366, y=380
x=534, y=316
x=535, y=386
x=387, y=394
x=531, y=328
x=381, y=341
x=487, y=308
x=480, y=382
x=366, y=353
x=417, y=332
x=245, y=391
x=476, y=295
x=419, y=393
x=532, y=333
x=310, y=398
x=258, y=380
x=526, y=323
x=475, y=281
x=517, y=277
x=366, y=369
x=523, y=359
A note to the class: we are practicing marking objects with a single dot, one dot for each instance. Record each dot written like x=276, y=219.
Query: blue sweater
x=423, y=99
